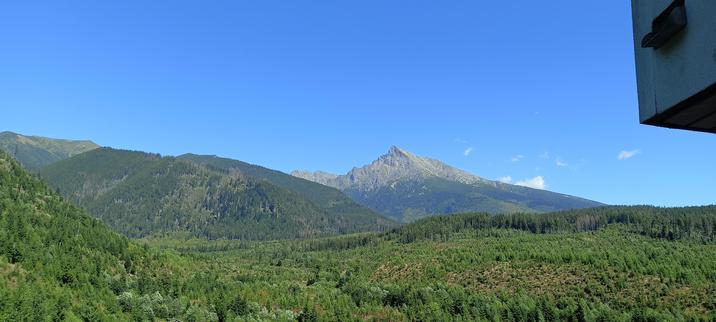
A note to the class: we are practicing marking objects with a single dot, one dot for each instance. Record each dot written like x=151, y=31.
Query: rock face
x=396, y=165
x=406, y=187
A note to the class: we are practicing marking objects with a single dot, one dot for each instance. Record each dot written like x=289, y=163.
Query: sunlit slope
x=56, y=262
x=35, y=152
x=141, y=194
x=329, y=199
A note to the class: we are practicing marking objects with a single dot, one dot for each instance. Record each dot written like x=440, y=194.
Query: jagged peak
x=400, y=153
x=398, y=164
x=396, y=151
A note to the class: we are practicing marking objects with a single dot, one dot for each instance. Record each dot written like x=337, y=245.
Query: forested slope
x=55, y=261
x=141, y=194
x=687, y=223
x=59, y=264
x=331, y=200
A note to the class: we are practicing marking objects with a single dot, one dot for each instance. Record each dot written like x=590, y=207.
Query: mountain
x=57, y=263
x=331, y=200
x=35, y=152
x=396, y=165
x=142, y=194
x=406, y=187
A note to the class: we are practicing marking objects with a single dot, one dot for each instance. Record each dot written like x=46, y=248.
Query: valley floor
x=490, y=274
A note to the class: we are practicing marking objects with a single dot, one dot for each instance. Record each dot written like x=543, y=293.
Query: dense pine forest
x=59, y=264
x=605, y=264
x=608, y=264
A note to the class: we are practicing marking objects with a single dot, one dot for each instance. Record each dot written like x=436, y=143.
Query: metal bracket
x=665, y=26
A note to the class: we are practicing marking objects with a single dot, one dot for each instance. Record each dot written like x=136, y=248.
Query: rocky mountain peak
x=398, y=152
x=406, y=187
x=397, y=165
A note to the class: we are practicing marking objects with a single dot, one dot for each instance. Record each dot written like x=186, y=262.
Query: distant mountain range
x=35, y=152
x=142, y=194
x=407, y=187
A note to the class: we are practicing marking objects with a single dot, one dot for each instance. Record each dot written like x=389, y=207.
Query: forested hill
x=56, y=262
x=59, y=264
x=141, y=194
x=329, y=199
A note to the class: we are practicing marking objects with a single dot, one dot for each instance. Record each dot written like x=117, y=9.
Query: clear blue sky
x=332, y=84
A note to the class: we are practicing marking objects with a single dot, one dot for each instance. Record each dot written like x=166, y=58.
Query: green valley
x=600, y=264
x=608, y=264
x=341, y=161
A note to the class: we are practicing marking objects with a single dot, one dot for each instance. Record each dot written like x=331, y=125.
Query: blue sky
x=533, y=89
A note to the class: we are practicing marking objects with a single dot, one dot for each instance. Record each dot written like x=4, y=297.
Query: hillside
x=600, y=264
x=59, y=264
x=407, y=187
x=329, y=199
x=51, y=252
x=141, y=194
x=35, y=152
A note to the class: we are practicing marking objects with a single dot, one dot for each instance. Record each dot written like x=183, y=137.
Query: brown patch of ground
x=397, y=272
x=12, y=273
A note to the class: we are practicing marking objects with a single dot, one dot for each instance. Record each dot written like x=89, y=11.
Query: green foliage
x=696, y=223
x=331, y=200
x=307, y=315
x=140, y=194
x=57, y=263
x=606, y=264
x=52, y=251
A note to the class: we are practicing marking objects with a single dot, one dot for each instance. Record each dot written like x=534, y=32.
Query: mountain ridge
x=405, y=187
x=326, y=197
x=36, y=152
x=397, y=164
